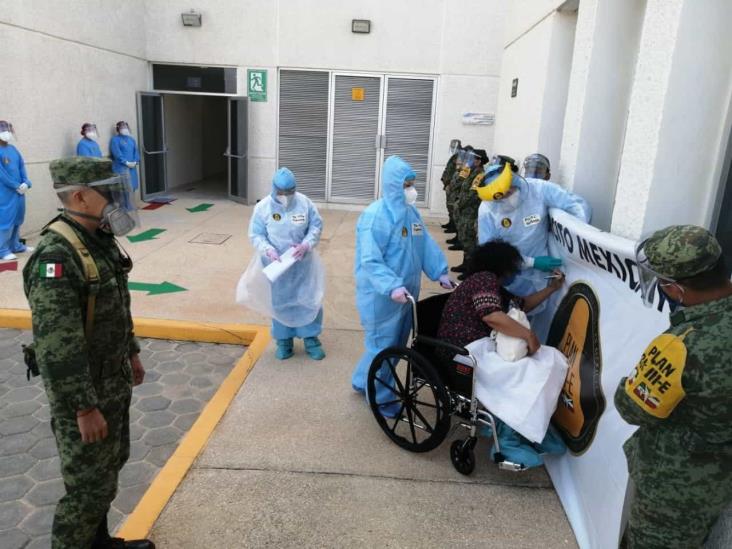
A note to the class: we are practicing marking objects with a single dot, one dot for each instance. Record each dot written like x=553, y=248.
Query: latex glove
x=546, y=263
x=300, y=250
x=272, y=254
x=22, y=188
x=400, y=295
x=446, y=283
x=131, y=164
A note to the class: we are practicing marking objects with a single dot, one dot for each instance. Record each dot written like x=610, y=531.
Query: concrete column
x=605, y=51
x=678, y=119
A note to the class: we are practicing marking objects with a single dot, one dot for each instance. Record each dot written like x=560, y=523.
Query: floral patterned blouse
x=478, y=296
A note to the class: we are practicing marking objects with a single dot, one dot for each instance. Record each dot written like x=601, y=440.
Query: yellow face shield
x=496, y=189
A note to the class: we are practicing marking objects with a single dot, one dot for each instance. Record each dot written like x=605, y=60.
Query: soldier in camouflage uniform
x=467, y=203
x=446, y=178
x=680, y=395
x=88, y=370
x=453, y=186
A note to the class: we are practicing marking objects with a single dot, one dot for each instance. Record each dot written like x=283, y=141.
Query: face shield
x=7, y=133
x=90, y=131
x=120, y=215
x=454, y=146
x=123, y=128
x=648, y=278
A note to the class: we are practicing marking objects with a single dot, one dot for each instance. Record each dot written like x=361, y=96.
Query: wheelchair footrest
x=510, y=466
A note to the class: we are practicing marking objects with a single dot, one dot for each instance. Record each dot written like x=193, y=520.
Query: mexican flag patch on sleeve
x=51, y=270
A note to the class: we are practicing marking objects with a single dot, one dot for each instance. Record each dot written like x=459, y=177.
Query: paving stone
x=21, y=394
x=178, y=378
x=178, y=392
x=114, y=519
x=45, y=448
x=46, y=493
x=160, y=345
x=46, y=469
x=21, y=409
x=151, y=404
x=43, y=413
x=199, y=369
x=201, y=382
x=206, y=394
x=12, y=539
x=13, y=488
x=42, y=430
x=186, y=406
x=194, y=358
x=223, y=359
x=16, y=381
x=150, y=376
x=15, y=444
x=140, y=472
x=149, y=389
x=157, y=419
x=136, y=432
x=16, y=425
x=162, y=436
x=188, y=347
x=15, y=465
x=168, y=367
x=18, y=369
x=39, y=522
x=9, y=334
x=164, y=356
x=127, y=498
x=185, y=422
x=160, y=455
x=44, y=542
x=12, y=513
x=138, y=451
x=135, y=414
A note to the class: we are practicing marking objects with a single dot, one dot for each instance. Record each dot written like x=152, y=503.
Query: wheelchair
x=428, y=390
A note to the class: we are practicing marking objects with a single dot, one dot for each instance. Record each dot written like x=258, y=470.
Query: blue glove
x=547, y=263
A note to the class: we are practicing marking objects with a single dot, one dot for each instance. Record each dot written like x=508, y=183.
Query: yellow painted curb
x=148, y=509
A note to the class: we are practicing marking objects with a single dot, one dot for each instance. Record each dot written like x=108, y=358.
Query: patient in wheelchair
x=478, y=307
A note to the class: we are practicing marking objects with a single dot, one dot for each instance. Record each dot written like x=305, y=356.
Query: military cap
x=79, y=170
x=682, y=251
x=480, y=153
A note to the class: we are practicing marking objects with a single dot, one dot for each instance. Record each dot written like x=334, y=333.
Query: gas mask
x=117, y=220
x=410, y=195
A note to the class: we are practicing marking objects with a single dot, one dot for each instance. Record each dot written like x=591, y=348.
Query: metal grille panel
x=409, y=124
x=303, y=128
x=355, y=128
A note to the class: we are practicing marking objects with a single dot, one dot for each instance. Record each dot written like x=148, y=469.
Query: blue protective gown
x=393, y=248
x=12, y=204
x=527, y=227
x=88, y=147
x=274, y=226
x=122, y=148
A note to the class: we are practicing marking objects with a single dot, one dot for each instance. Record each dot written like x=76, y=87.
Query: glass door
x=150, y=121
x=237, y=150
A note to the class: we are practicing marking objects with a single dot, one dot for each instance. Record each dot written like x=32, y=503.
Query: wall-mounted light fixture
x=361, y=26
x=191, y=19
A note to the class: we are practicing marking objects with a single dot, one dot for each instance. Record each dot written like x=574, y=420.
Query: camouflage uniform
x=680, y=394
x=467, y=205
x=80, y=373
x=449, y=178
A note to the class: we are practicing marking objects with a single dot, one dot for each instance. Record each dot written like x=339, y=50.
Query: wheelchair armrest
x=432, y=342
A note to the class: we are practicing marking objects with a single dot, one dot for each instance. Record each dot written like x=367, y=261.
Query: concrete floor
x=298, y=459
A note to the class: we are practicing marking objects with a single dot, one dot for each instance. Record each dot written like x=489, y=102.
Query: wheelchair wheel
x=415, y=413
x=463, y=456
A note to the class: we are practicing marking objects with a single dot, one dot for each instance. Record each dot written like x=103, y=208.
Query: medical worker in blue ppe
x=393, y=249
x=123, y=150
x=283, y=220
x=14, y=183
x=87, y=145
x=516, y=210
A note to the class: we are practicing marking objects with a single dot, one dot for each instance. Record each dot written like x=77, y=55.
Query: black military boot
x=456, y=246
x=462, y=276
x=459, y=268
x=103, y=540
x=451, y=228
x=453, y=240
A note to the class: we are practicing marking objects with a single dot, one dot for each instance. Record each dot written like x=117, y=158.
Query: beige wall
x=67, y=65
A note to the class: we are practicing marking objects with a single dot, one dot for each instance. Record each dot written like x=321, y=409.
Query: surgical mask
x=508, y=280
x=284, y=199
x=124, y=131
x=410, y=195
x=6, y=136
x=510, y=203
x=91, y=135
x=116, y=220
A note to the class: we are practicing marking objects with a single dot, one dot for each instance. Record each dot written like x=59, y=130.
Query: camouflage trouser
x=467, y=227
x=675, y=507
x=90, y=470
x=451, y=197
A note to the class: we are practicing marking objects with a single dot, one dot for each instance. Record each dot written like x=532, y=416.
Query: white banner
x=603, y=327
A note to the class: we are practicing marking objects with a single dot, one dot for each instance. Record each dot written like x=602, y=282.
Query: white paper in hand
x=275, y=269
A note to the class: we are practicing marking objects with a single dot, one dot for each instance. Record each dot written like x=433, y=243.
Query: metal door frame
x=428, y=173
x=227, y=153
x=141, y=141
x=379, y=152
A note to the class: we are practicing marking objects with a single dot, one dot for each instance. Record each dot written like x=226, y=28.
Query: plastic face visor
x=454, y=146
x=647, y=277
x=118, y=192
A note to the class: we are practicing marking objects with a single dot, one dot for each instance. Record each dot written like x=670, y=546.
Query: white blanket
x=523, y=394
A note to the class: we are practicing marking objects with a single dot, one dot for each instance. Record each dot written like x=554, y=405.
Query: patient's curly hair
x=497, y=257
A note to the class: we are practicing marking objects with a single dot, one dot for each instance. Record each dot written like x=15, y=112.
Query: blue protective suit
x=393, y=248
x=122, y=148
x=12, y=204
x=88, y=147
x=527, y=227
x=274, y=226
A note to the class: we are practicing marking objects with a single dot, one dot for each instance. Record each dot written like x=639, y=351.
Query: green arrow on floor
x=200, y=208
x=155, y=289
x=150, y=234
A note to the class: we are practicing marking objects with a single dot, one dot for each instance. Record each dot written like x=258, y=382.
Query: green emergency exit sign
x=257, y=84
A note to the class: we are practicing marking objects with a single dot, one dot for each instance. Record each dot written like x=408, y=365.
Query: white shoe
x=28, y=249
x=9, y=257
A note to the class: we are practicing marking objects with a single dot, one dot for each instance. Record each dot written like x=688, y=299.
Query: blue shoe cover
x=284, y=349
x=313, y=348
